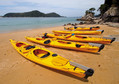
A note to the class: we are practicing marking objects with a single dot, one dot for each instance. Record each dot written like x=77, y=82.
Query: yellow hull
x=81, y=32
x=80, y=38
x=50, y=59
x=66, y=44
x=82, y=29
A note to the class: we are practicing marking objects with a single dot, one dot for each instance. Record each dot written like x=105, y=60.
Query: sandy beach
x=15, y=69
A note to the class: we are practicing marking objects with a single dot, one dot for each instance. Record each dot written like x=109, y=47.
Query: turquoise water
x=12, y=24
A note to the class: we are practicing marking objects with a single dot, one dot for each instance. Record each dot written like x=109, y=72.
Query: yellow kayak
x=49, y=59
x=80, y=38
x=97, y=32
x=82, y=28
x=66, y=44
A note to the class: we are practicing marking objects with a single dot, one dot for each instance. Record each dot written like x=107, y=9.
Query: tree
x=91, y=10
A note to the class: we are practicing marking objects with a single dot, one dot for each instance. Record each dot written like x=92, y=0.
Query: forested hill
x=34, y=13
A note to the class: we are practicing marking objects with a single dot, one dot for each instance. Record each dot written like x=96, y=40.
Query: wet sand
x=15, y=69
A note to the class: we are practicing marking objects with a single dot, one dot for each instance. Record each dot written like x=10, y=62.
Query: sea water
x=23, y=23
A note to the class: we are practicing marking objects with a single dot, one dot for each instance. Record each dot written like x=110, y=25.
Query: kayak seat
x=59, y=61
x=84, y=37
x=97, y=27
x=45, y=36
x=56, y=34
x=19, y=44
x=46, y=55
x=91, y=28
x=41, y=53
x=78, y=46
x=25, y=48
x=47, y=42
x=75, y=27
x=54, y=55
x=29, y=47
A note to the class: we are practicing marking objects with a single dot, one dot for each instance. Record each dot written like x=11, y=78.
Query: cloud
x=63, y=7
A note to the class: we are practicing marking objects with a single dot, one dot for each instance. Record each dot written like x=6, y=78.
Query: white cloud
x=63, y=7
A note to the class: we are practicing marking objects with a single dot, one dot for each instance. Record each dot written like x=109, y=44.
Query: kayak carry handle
x=101, y=46
x=112, y=39
x=78, y=65
x=100, y=31
x=89, y=71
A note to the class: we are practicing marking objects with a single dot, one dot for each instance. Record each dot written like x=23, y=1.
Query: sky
x=69, y=8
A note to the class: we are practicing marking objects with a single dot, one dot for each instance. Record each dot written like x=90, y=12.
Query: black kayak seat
x=91, y=28
x=47, y=42
x=45, y=35
x=46, y=55
x=54, y=55
x=78, y=46
x=29, y=47
x=75, y=27
x=97, y=27
x=84, y=37
x=68, y=42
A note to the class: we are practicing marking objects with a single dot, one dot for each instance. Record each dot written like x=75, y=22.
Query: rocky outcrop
x=111, y=15
x=87, y=17
x=110, y=11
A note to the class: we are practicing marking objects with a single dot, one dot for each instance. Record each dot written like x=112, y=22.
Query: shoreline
x=20, y=30
x=15, y=69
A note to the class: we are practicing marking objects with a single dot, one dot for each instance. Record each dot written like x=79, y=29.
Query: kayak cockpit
x=80, y=36
x=69, y=36
x=57, y=34
x=41, y=53
x=20, y=44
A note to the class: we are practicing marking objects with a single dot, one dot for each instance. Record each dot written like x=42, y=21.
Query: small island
x=34, y=13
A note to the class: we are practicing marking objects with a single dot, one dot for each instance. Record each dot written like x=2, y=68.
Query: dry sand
x=15, y=69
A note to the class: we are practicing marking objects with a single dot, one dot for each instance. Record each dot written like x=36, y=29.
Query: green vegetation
x=34, y=13
x=52, y=15
x=91, y=10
